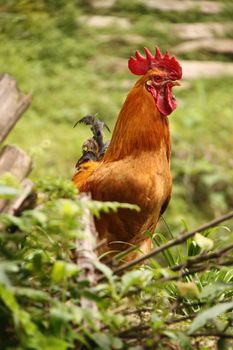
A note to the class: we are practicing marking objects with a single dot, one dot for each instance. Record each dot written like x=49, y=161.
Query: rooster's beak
x=176, y=83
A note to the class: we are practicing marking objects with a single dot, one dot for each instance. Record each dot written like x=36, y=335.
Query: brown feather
x=139, y=127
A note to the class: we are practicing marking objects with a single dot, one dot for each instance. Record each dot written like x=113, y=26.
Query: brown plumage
x=136, y=166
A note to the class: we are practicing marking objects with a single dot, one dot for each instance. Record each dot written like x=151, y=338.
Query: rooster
x=136, y=165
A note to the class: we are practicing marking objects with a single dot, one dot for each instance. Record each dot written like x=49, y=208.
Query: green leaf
x=208, y=315
x=103, y=340
x=58, y=271
x=60, y=313
x=62, y=269
x=212, y=290
x=129, y=279
x=156, y=321
x=185, y=225
x=107, y=341
x=159, y=239
x=8, y=179
x=20, y=317
x=184, y=341
x=96, y=207
x=116, y=343
x=77, y=313
x=71, y=269
x=170, y=334
x=107, y=272
x=134, y=278
x=52, y=343
x=36, y=216
x=4, y=280
x=37, y=261
x=83, y=340
x=91, y=295
x=7, y=192
x=204, y=243
x=193, y=248
x=8, y=298
x=31, y=293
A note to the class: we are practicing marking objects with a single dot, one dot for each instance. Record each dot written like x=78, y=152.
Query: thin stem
x=168, y=228
x=213, y=334
x=201, y=258
x=180, y=239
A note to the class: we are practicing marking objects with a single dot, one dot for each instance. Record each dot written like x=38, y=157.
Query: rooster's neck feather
x=140, y=127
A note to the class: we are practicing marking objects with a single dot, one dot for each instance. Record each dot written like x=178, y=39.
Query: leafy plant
x=42, y=289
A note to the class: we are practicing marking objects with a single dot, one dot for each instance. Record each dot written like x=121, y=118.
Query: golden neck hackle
x=140, y=127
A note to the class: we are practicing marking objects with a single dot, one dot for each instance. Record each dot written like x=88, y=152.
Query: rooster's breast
x=144, y=180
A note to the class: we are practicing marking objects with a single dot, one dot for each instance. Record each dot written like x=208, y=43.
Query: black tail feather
x=94, y=148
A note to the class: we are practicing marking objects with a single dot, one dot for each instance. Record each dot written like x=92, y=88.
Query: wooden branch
x=147, y=327
x=180, y=239
x=12, y=104
x=85, y=251
x=202, y=258
x=16, y=162
x=183, y=274
x=213, y=334
x=191, y=267
x=26, y=200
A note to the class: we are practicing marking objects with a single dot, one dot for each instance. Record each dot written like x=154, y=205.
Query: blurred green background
x=73, y=56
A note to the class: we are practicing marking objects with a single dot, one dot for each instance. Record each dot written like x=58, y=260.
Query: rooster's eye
x=157, y=78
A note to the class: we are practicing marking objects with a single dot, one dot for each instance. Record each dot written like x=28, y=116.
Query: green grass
x=72, y=73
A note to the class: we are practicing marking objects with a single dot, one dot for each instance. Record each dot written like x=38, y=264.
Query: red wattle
x=164, y=101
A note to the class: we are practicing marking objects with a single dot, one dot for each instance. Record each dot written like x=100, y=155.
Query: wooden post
x=12, y=104
x=15, y=161
x=12, y=159
x=85, y=251
x=26, y=200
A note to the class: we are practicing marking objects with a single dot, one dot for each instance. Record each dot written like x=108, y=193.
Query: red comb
x=139, y=65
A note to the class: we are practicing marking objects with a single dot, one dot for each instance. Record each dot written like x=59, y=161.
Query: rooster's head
x=160, y=74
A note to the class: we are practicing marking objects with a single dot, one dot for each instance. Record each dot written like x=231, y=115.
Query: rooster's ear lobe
x=149, y=82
